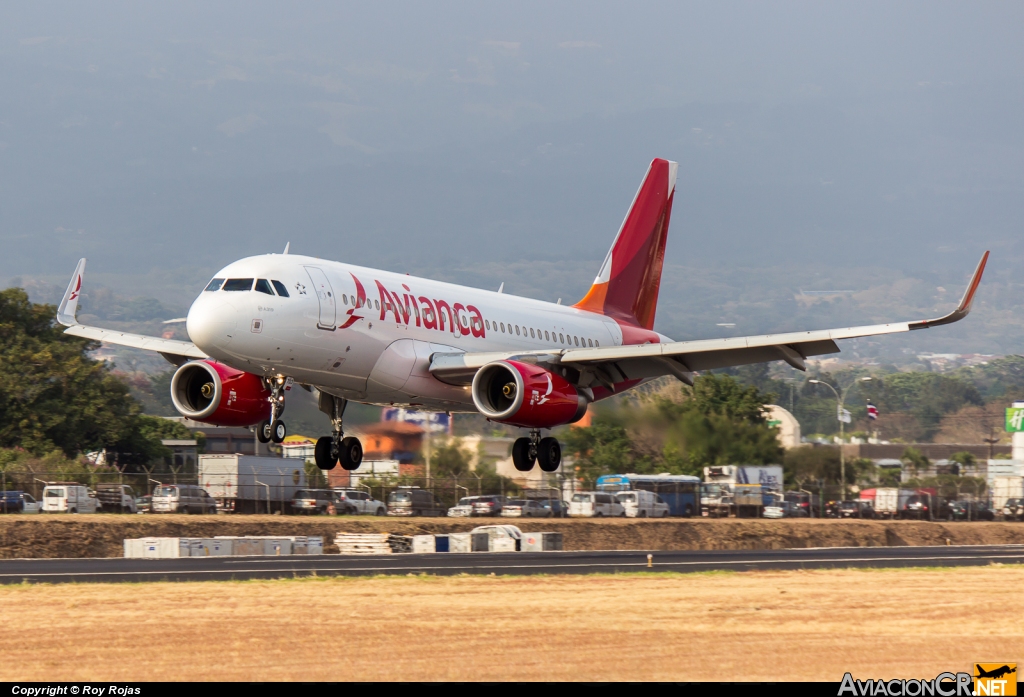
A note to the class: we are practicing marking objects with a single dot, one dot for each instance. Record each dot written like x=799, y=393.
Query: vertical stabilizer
x=626, y=288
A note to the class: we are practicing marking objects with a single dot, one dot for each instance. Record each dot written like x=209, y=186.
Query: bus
x=680, y=491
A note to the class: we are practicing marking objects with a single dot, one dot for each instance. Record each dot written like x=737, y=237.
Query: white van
x=642, y=504
x=69, y=498
x=595, y=504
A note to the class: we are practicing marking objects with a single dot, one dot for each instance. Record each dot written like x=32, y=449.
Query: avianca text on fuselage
x=409, y=308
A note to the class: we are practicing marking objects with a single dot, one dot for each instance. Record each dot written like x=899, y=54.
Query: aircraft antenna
x=286, y=247
x=501, y=287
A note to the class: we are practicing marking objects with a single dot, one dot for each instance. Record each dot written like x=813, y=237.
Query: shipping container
x=248, y=484
x=424, y=544
x=541, y=542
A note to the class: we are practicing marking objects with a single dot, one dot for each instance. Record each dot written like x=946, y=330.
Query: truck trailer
x=249, y=484
x=739, y=490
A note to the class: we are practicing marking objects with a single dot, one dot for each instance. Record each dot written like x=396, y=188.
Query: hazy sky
x=433, y=137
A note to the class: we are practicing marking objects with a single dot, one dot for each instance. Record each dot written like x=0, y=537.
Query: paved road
x=515, y=563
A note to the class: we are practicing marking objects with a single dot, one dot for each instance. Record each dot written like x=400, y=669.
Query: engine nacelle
x=213, y=393
x=520, y=394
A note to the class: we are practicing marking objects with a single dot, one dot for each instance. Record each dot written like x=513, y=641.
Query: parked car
x=494, y=531
x=558, y=507
x=358, y=502
x=783, y=509
x=1013, y=509
x=970, y=510
x=808, y=504
x=413, y=501
x=524, y=508
x=30, y=505
x=488, y=505
x=916, y=507
x=856, y=509
x=116, y=498
x=316, y=502
x=182, y=498
x=69, y=498
x=595, y=504
x=144, y=504
x=464, y=508
x=642, y=504
x=11, y=502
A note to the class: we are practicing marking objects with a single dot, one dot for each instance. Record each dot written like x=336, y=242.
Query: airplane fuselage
x=367, y=335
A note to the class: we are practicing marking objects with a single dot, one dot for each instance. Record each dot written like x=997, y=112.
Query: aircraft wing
x=614, y=364
x=176, y=352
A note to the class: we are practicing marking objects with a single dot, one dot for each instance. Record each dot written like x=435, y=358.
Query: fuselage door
x=325, y=296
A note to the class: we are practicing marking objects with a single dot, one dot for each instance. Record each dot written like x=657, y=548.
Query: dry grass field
x=792, y=625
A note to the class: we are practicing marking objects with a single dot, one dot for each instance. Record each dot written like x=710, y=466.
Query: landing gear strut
x=544, y=451
x=330, y=450
x=273, y=429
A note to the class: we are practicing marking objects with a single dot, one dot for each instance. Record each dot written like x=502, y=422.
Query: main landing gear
x=273, y=429
x=330, y=450
x=544, y=451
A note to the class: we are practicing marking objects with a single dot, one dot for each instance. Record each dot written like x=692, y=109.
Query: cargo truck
x=1004, y=489
x=739, y=490
x=249, y=484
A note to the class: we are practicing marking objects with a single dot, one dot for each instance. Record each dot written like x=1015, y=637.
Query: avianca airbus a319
x=267, y=322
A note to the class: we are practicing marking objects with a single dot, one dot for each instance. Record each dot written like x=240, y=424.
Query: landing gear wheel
x=263, y=431
x=278, y=432
x=351, y=453
x=325, y=459
x=521, y=455
x=549, y=454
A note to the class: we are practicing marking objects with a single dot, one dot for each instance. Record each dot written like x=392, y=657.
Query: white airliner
x=267, y=322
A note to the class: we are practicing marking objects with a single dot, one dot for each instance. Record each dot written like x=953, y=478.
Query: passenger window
x=487, y=323
x=215, y=284
x=517, y=330
x=577, y=340
x=344, y=299
x=281, y=290
x=531, y=333
x=547, y=337
x=263, y=286
x=238, y=284
x=502, y=327
x=376, y=303
x=561, y=338
x=590, y=342
x=597, y=344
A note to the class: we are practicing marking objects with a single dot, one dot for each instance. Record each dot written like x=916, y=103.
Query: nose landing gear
x=330, y=450
x=273, y=429
x=544, y=451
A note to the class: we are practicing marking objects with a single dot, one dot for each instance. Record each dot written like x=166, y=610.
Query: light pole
x=840, y=398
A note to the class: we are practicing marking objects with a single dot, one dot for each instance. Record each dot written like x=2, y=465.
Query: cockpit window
x=215, y=284
x=263, y=286
x=281, y=290
x=238, y=284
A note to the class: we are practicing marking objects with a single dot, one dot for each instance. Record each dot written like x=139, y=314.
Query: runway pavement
x=512, y=563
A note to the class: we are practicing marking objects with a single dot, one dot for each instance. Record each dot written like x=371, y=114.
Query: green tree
x=53, y=395
x=449, y=458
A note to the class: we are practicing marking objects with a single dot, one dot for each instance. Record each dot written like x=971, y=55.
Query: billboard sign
x=433, y=421
x=1014, y=419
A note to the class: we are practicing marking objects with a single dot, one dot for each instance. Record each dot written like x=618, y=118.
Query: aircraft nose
x=211, y=323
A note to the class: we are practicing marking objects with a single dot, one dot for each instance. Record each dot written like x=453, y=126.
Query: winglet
x=69, y=305
x=965, y=303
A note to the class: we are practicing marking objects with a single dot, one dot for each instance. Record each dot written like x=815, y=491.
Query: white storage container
x=315, y=544
x=421, y=544
x=481, y=542
x=459, y=542
x=213, y=547
x=503, y=544
x=157, y=547
x=277, y=546
x=541, y=542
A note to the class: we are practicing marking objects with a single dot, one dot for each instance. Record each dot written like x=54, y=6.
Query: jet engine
x=213, y=393
x=521, y=394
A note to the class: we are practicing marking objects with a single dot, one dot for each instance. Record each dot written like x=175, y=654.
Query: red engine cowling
x=213, y=393
x=526, y=395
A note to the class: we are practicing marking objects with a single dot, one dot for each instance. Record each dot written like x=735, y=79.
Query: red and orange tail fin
x=626, y=288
